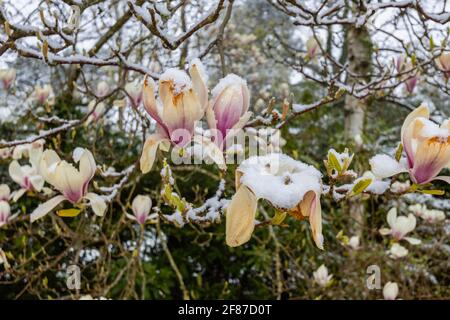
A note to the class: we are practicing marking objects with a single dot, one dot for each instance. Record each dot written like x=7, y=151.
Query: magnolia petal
x=149, y=151
x=392, y=217
x=310, y=207
x=443, y=178
x=97, y=203
x=413, y=241
x=130, y=216
x=87, y=165
x=46, y=207
x=240, y=217
x=17, y=194
x=228, y=140
x=431, y=157
x=385, y=231
x=199, y=82
x=148, y=97
x=15, y=171
x=409, y=128
x=37, y=182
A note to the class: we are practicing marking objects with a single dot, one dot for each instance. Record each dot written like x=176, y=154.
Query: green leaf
x=334, y=162
x=433, y=192
x=279, y=217
x=398, y=153
x=361, y=185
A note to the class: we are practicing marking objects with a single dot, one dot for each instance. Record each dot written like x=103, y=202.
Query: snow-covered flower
x=43, y=93
x=321, y=276
x=390, y=291
x=312, y=47
x=141, y=209
x=134, y=91
x=182, y=102
x=5, y=213
x=102, y=89
x=71, y=183
x=7, y=77
x=298, y=188
x=99, y=109
x=353, y=242
x=443, y=63
x=400, y=226
x=5, y=192
x=27, y=177
x=397, y=251
x=228, y=112
x=427, y=148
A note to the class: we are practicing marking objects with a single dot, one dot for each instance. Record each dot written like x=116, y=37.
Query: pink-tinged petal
x=410, y=128
x=385, y=231
x=130, y=216
x=150, y=104
x=240, y=217
x=149, y=151
x=97, y=203
x=411, y=84
x=15, y=172
x=44, y=208
x=443, y=178
x=310, y=207
x=431, y=157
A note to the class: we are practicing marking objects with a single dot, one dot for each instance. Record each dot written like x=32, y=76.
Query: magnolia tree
x=224, y=149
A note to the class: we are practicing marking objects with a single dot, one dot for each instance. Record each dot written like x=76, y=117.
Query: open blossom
x=400, y=226
x=312, y=48
x=71, y=183
x=298, y=188
x=7, y=77
x=390, y=291
x=134, y=91
x=353, y=242
x=397, y=251
x=27, y=177
x=228, y=112
x=429, y=215
x=141, y=209
x=5, y=192
x=102, y=89
x=443, y=63
x=43, y=93
x=321, y=276
x=181, y=103
x=427, y=148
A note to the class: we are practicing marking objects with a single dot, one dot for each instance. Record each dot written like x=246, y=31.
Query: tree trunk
x=359, y=48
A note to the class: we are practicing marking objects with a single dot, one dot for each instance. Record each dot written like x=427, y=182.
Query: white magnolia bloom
x=321, y=276
x=397, y=251
x=5, y=192
x=134, y=90
x=70, y=182
x=390, y=291
x=27, y=177
x=141, y=209
x=102, y=89
x=5, y=213
x=353, y=242
x=33, y=151
x=298, y=187
x=400, y=226
x=7, y=77
x=433, y=216
x=44, y=93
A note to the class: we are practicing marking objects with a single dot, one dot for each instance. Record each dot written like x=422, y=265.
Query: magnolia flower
x=298, y=188
x=27, y=177
x=312, y=48
x=99, y=109
x=7, y=77
x=443, y=63
x=400, y=63
x=321, y=276
x=390, y=291
x=181, y=104
x=5, y=213
x=411, y=81
x=397, y=251
x=5, y=192
x=70, y=182
x=141, y=209
x=33, y=151
x=353, y=242
x=228, y=112
x=134, y=91
x=430, y=216
x=427, y=148
x=400, y=226
x=43, y=93
x=102, y=89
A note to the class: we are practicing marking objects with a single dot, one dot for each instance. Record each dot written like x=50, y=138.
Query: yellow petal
x=149, y=151
x=68, y=212
x=199, y=83
x=240, y=217
x=310, y=207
